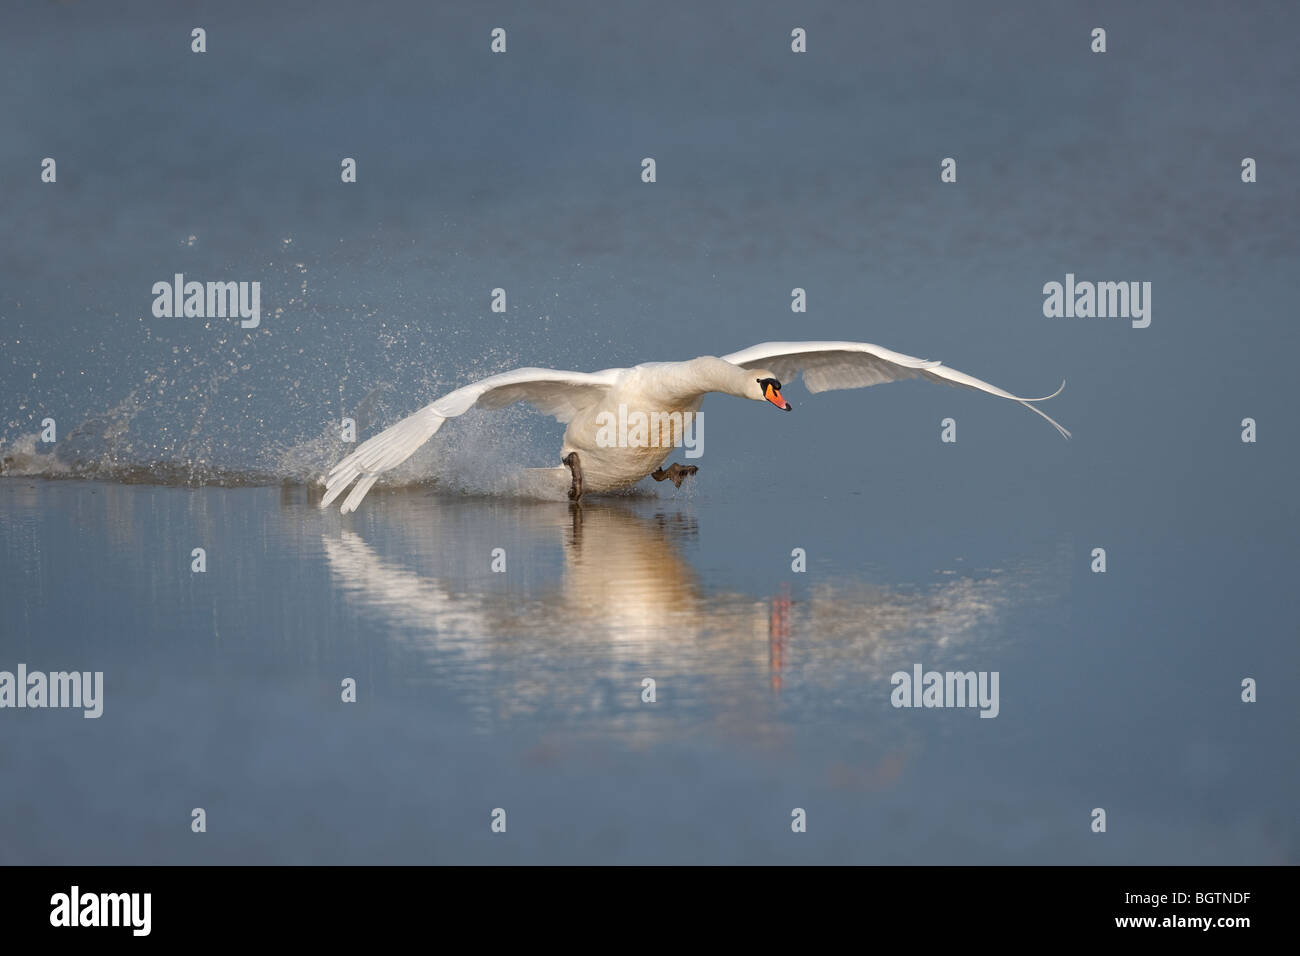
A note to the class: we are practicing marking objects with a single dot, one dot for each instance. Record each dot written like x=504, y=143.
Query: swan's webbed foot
x=675, y=473
x=575, y=469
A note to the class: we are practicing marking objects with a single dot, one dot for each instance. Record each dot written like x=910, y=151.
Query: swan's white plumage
x=577, y=398
x=555, y=392
x=833, y=365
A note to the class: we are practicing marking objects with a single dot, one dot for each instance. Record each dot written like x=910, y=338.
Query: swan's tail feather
x=378, y=454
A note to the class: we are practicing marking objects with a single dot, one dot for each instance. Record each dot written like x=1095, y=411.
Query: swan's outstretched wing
x=831, y=365
x=554, y=392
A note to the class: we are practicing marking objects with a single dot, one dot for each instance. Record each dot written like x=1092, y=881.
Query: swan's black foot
x=675, y=473
x=575, y=469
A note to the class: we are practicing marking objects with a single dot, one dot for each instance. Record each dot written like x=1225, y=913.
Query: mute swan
x=588, y=401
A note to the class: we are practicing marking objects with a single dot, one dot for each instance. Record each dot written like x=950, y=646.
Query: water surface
x=523, y=689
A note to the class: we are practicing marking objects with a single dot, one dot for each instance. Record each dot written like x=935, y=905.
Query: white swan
x=587, y=401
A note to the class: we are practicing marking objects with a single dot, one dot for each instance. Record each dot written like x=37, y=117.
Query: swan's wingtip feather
x=1047, y=397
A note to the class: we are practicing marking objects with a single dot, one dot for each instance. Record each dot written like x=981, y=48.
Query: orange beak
x=773, y=396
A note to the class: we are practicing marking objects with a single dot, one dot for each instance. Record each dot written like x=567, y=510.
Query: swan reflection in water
x=597, y=597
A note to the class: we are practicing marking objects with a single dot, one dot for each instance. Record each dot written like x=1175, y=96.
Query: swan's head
x=767, y=388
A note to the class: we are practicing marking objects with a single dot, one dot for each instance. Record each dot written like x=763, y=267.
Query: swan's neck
x=709, y=374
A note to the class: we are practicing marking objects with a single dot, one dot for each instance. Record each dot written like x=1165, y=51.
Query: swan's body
x=585, y=401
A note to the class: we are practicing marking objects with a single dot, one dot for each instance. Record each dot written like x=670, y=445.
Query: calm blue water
x=522, y=690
